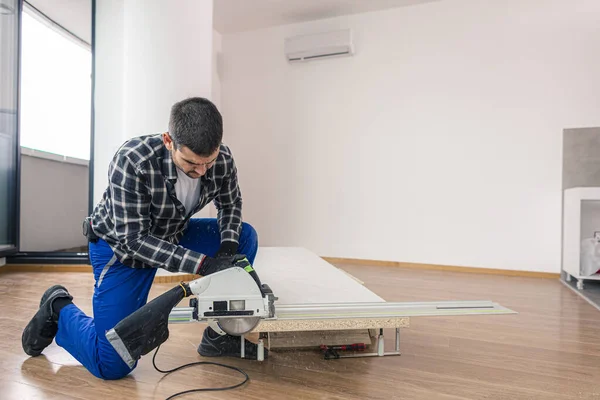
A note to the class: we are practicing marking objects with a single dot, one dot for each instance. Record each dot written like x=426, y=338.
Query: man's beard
x=191, y=174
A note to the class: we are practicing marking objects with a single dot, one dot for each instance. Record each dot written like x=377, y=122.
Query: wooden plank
x=331, y=324
x=298, y=276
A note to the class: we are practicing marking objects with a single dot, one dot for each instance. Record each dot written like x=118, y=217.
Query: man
x=156, y=183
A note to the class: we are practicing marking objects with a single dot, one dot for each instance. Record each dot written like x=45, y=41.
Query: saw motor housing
x=232, y=299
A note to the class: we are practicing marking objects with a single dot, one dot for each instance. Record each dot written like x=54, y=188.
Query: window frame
x=53, y=257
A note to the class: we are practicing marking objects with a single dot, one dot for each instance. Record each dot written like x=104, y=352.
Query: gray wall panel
x=581, y=157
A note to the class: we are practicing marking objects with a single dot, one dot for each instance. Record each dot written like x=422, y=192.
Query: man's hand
x=227, y=248
x=210, y=265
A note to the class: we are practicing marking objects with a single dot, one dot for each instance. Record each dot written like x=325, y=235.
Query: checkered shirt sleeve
x=229, y=203
x=131, y=202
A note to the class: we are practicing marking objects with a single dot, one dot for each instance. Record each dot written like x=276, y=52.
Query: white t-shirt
x=187, y=191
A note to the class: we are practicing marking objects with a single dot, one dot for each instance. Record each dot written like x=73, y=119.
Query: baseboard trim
x=473, y=270
x=86, y=268
x=46, y=268
x=333, y=260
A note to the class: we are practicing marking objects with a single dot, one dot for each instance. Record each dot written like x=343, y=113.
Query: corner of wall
x=217, y=68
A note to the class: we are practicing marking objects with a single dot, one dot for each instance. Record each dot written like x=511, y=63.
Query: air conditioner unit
x=319, y=45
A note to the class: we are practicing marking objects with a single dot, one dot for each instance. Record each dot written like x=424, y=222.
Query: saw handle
x=243, y=263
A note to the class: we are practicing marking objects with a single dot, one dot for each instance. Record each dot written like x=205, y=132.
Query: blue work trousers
x=120, y=290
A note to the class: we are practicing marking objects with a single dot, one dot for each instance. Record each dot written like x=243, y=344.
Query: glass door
x=9, y=79
x=54, y=128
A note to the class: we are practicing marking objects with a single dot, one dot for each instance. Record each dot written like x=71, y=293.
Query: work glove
x=210, y=265
x=228, y=248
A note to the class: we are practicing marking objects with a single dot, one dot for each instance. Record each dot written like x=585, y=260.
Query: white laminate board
x=298, y=276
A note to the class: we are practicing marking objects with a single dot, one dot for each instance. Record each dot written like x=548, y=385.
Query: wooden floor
x=550, y=350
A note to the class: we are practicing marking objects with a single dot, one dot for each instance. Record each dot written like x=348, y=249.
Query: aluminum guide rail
x=385, y=309
x=366, y=310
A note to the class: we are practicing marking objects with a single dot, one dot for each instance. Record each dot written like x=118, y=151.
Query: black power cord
x=200, y=363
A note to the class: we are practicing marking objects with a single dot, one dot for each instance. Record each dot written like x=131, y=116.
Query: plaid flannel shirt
x=140, y=216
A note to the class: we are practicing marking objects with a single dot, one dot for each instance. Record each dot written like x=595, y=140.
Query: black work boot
x=215, y=345
x=40, y=331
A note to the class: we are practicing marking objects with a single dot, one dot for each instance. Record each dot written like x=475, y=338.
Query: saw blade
x=238, y=326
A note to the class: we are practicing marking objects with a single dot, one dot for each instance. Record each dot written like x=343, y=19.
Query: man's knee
x=112, y=371
x=110, y=364
x=249, y=234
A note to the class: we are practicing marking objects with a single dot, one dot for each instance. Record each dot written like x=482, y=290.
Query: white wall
x=439, y=142
x=108, y=91
x=168, y=57
x=217, y=61
x=149, y=56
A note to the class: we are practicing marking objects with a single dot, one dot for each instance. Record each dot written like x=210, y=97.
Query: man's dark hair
x=197, y=124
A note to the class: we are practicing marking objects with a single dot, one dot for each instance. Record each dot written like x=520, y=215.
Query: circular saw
x=233, y=300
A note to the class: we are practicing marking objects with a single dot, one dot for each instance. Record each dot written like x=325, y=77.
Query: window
x=9, y=53
x=55, y=90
